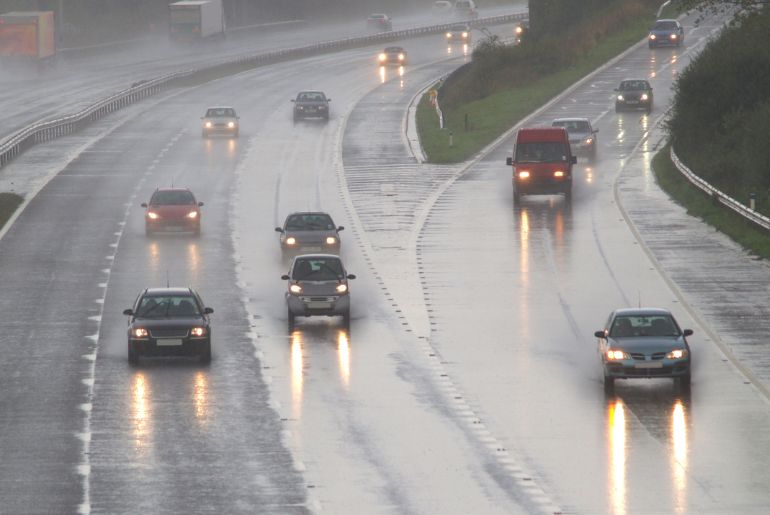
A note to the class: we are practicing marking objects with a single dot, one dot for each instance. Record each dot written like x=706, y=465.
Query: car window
x=644, y=325
x=394, y=49
x=541, y=152
x=220, y=111
x=665, y=25
x=157, y=306
x=309, y=222
x=173, y=198
x=317, y=269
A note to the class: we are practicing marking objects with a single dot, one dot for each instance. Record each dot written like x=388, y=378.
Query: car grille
x=180, y=332
x=641, y=357
x=647, y=372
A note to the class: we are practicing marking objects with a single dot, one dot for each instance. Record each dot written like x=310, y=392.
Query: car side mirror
x=143, y=204
x=687, y=332
x=595, y=131
x=351, y=276
x=292, y=100
x=285, y=277
x=128, y=312
x=600, y=334
x=278, y=229
x=573, y=159
x=616, y=89
x=200, y=204
x=208, y=311
x=341, y=228
x=328, y=99
x=509, y=161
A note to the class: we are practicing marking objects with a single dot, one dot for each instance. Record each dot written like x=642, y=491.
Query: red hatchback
x=172, y=209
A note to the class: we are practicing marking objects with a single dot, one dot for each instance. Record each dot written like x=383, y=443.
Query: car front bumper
x=173, y=225
x=318, y=305
x=542, y=186
x=170, y=346
x=630, y=368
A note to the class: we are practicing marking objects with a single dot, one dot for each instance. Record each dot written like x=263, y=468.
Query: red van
x=542, y=162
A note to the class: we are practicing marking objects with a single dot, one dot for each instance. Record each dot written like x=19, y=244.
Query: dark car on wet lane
x=169, y=322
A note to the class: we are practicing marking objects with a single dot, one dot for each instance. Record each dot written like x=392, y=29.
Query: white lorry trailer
x=196, y=20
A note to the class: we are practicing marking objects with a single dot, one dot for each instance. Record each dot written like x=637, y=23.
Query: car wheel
x=147, y=230
x=197, y=230
x=617, y=108
x=205, y=356
x=346, y=318
x=683, y=382
x=516, y=195
x=291, y=319
x=133, y=356
x=609, y=384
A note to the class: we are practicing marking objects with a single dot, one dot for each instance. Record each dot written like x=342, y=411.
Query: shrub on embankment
x=720, y=120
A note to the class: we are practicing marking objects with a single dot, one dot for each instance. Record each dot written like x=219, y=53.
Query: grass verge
x=9, y=202
x=698, y=204
x=488, y=118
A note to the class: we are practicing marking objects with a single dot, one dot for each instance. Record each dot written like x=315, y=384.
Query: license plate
x=168, y=342
x=313, y=249
x=319, y=305
x=649, y=364
x=632, y=102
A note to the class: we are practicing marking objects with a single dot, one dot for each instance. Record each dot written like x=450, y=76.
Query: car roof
x=571, y=120
x=173, y=189
x=308, y=213
x=670, y=20
x=537, y=134
x=459, y=26
x=378, y=15
x=394, y=49
x=311, y=91
x=641, y=311
x=171, y=290
x=219, y=107
x=318, y=256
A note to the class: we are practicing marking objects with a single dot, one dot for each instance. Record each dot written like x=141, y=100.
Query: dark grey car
x=633, y=94
x=307, y=232
x=318, y=286
x=311, y=104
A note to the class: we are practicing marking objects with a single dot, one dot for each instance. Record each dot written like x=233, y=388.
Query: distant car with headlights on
x=644, y=343
x=311, y=104
x=392, y=55
x=460, y=33
x=633, y=94
x=172, y=209
x=520, y=31
x=379, y=22
x=220, y=120
x=169, y=322
x=318, y=286
x=582, y=136
x=666, y=33
x=307, y=232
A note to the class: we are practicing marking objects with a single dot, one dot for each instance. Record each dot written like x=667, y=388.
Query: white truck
x=196, y=20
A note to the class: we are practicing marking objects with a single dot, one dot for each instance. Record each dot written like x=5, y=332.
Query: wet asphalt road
x=468, y=382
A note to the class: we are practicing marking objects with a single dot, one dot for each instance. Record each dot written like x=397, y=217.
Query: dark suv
x=311, y=104
x=169, y=322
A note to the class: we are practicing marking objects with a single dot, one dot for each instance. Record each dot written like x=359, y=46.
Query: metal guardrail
x=40, y=132
x=718, y=196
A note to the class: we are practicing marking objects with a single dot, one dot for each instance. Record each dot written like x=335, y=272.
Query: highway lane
x=171, y=435
x=544, y=275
